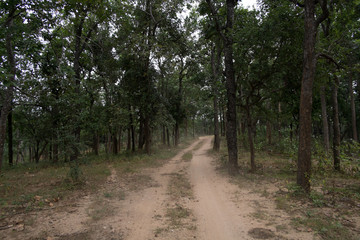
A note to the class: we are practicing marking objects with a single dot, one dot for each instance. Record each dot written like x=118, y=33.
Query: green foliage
x=75, y=172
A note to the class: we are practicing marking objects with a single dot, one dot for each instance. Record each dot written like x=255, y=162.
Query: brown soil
x=144, y=206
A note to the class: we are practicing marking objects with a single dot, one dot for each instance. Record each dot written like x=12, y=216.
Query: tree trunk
x=163, y=135
x=10, y=139
x=78, y=28
x=230, y=90
x=215, y=63
x=96, y=144
x=251, y=140
x=336, y=126
x=147, y=135
x=37, y=149
x=309, y=68
x=216, y=145
x=176, y=134
x=324, y=119
x=132, y=131
x=353, y=110
x=227, y=39
x=141, y=133
x=8, y=94
x=115, y=144
x=120, y=140
x=128, y=147
x=268, y=132
x=168, y=136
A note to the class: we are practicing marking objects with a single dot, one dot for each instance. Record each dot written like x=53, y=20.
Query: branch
x=297, y=3
x=215, y=17
x=323, y=55
x=325, y=12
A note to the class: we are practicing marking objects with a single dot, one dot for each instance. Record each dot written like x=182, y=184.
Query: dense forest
x=85, y=77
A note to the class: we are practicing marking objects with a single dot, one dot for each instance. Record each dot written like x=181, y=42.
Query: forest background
x=81, y=78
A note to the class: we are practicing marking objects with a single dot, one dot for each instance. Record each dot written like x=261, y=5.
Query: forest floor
x=189, y=196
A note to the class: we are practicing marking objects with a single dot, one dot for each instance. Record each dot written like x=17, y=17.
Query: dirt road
x=183, y=199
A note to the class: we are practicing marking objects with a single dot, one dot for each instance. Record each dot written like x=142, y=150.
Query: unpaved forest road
x=147, y=210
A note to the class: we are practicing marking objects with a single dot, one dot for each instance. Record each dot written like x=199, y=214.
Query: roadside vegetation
x=30, y=187
x=330, y=210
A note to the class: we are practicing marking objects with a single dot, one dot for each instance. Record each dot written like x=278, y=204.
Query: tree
x=227, y=39
x=311, y=24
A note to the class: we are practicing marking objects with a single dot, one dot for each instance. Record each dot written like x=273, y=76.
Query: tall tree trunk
x=128, y=147
x=115, y=144
x=250, y=138
x=231, y=90
x=324, y=119
x=37, y=149
x=8, y=94
x=168, y=136
x=10, y=139
x=96, y=144
x=176, y=134
x=163, y=135
x=308, y=75
x=268, y=132
x=147, y=135
x=353, y=110
x=231, y=137
x=215, y=63
x=336, y=126
x=141, y=133
x=120, y=140
x=78, y=29
x=132, y=137
x=216, y=145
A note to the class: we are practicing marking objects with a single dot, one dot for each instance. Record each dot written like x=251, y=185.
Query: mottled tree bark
x=8, y=94
x=231, y=90
x=215, y=63
x=309, y=68
x=268, y=132
x=353, y=110
x=250, y=138
x=324, y=119
x=227, y=39
x=336, y=126
x=10, y=139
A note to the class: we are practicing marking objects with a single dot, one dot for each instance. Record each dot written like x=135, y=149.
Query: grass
x=19, y=185
x=187, y=156
x=177, y=214
x=179, y=186
x=199, y=145
x=334, y=192
x=100, y=209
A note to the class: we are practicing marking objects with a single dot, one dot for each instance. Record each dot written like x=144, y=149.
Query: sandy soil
x=132, y=210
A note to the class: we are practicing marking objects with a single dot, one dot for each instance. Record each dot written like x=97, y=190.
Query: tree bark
x=163, y=135
x=96, y=144
x=324, y=119
x=215, y=63
x=168, y=137
x=309, y=68
x=353, y=110
x=268, y=132
x=10, y=138
x=250, y=138
x=115, y=149
x=128, y=139
x=231, y=137
x=8, y=94
x=336, y=126
x=231, y=90
x=147, y=135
